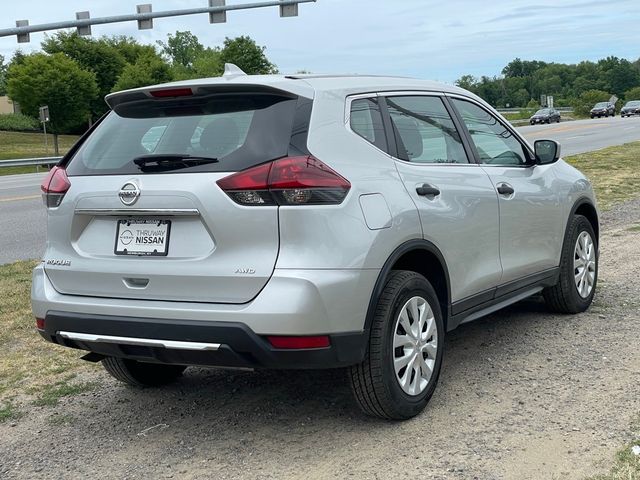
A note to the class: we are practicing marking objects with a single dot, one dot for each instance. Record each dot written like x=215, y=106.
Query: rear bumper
x=235, y=344
x=293, y=303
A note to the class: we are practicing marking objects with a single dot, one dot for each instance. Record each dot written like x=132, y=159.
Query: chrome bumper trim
x=132, y=212
x=145, y=342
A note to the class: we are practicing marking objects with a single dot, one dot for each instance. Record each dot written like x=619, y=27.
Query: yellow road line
x=15, y=199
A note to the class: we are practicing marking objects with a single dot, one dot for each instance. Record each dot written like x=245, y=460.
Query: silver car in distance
x=305, y=222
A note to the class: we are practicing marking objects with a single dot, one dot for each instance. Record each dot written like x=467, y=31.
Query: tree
x=247, y=55
x=632, y=94
x=588, y=99
x=148, y=70
x=129, y=47
x=96, y=56
x=3, y=77
x=182, y=49
x=208, y=64
x=468, y=82
x=57, y=81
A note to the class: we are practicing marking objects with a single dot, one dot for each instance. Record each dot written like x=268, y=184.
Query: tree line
x=572, y=85
x=72, y=74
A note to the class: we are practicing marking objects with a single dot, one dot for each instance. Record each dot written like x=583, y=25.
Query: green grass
x=613, y=171
x=626, y=465
x=14, y=145
x=50, y=394
x=9, y=411
x=31, y=368
x=635, y=228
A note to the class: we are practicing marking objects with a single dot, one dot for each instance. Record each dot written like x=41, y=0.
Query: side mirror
x=547, y=151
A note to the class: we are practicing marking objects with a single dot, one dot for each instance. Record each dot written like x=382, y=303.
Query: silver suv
x=305, y=222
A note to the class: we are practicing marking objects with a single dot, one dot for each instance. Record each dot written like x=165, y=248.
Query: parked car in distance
x=545, y=115
x=630, y=108
x=603, y=109
x=305, y=221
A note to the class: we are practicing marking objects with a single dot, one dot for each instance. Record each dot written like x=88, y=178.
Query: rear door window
x=424, y=130
x=239, y=131
x=366, y=121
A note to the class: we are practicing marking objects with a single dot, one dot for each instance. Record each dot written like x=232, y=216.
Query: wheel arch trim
x=408, y=246
x=576, y=205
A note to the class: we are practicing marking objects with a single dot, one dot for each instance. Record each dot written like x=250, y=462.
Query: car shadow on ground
x=271, y=396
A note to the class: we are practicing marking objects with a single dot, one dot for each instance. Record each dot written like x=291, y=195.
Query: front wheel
x=578, y=270
x=141, y=374
x=402, y=364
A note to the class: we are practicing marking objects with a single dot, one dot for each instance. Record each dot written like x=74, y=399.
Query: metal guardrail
x=28, y=162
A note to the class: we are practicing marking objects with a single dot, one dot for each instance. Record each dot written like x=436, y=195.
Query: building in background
x=8, y=106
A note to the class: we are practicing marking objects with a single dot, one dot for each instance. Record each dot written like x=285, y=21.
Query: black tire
x=140, y=374
x=563, y=297
x=592, y=116
x=548, y=121
x=373, y=382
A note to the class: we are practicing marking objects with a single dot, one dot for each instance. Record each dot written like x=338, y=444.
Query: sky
x=438, y=40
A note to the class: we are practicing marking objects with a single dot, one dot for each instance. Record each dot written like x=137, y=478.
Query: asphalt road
x=586, y=135
x=23, y=218
x=23, y=225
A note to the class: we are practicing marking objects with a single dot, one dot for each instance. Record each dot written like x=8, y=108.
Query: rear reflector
x=287, y=181
x=54, y=187
x=292, y=343
x=171, y=92
x=40, y=323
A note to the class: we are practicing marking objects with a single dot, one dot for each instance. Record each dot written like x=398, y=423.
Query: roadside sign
x=543, y=100
x=613, y=99
x=44, y=114
x=550, y=101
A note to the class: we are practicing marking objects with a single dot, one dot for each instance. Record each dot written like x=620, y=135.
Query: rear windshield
x=544, y=111
x=632, y=103
x=601, y=104
x=237, y=130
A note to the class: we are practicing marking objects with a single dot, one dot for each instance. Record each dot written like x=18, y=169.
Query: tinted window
x=239, y=130
x=366, y=121
x=494, y=142
x=424, y=130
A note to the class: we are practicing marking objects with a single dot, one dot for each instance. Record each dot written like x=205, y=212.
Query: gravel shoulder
x=523, y=394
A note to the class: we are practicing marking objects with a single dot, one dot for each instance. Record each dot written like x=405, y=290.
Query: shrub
x=583, y=104
x=17, y=122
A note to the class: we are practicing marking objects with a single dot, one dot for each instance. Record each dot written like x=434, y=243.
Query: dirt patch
x=524, y=394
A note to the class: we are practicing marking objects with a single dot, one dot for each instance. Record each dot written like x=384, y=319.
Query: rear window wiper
x=170, y=161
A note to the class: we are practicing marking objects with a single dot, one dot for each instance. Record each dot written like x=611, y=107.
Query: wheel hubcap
x=584, y=264
x=415, y=345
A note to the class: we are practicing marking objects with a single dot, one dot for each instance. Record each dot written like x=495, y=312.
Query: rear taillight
x=40, y=323
x=54, y=187
x=287, y=181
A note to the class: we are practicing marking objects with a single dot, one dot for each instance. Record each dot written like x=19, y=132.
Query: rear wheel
x=578, y=270
x=402, y=364
x=140, y=374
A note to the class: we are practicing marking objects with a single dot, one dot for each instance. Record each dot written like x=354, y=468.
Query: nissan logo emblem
x=129, y=193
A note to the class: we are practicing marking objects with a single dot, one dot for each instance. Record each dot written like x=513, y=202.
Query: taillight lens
x=54, y=187
x=287, y=181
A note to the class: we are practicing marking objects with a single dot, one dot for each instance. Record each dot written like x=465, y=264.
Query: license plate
x=142, y=237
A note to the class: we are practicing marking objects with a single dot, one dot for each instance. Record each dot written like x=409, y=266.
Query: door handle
x=425, y=189
x=505, y=189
